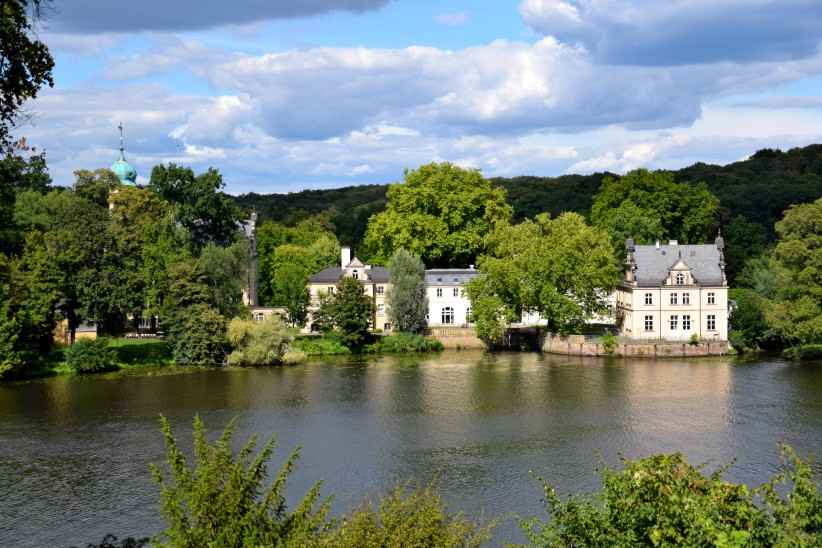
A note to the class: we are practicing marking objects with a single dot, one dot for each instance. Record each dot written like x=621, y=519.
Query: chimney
x=345, y=256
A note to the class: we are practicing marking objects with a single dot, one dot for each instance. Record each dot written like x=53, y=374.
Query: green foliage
x=664, y=501
x=294, y=357
x=91, y=356
x=406, y=298
x=804, y=352
x=95, y=186
x=398, y=343
x=748, y=325
x=648, y=205
x=351, y=312
x=561, y=268
x=417, y=518
x=17, y=174
x=221, y=498
x=288, y=256
x=327, y=345
x=201, y=207
x=199, y=337
x=258, y=343
x=441, y=213
x=291, y=288
x=694, y=339
x=25, y=62
x=609, y=342
x=142, y=351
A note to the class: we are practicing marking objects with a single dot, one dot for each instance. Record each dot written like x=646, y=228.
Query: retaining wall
x=577, y=345
x=457, y=337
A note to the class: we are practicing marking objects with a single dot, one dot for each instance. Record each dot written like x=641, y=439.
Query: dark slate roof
x=654, y=264
x=450, y=276
x=377, y=274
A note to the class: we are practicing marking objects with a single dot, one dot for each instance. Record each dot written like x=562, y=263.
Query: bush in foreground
x=200, y=336
x=326, y=345
x=664, y=501
x=91, y=356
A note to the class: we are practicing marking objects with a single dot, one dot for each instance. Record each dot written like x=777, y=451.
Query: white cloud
x=672, y=32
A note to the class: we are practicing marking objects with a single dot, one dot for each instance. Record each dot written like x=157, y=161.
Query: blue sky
x=287, y=95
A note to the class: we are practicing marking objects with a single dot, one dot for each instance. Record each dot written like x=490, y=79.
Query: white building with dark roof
x=674, y=292
x=448, y=303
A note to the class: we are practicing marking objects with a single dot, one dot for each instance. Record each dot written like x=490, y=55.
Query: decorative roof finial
x=122, y=145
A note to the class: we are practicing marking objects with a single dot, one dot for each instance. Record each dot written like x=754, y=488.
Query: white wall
x=458, y=302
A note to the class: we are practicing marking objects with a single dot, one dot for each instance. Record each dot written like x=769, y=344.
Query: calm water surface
x=74, y=451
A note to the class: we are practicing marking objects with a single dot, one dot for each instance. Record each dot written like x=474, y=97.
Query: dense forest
x=753, y=195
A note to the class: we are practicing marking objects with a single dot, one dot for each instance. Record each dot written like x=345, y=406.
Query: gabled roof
x=355, y=263
x=655, y=263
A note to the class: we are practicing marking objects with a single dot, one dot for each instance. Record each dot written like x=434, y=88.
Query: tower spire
x=122, y=145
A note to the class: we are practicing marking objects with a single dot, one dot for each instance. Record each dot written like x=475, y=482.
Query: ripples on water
x=74, y=451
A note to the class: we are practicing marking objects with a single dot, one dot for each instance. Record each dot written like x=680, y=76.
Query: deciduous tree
x=406, y=298
x=441, y=213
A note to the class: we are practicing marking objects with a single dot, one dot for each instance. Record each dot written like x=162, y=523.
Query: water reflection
x=74, y=451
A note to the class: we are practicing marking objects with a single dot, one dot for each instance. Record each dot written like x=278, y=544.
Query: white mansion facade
x=673, y=292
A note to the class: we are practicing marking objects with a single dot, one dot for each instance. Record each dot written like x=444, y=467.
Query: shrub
x=664, y=501
x=294, y=357
x=418, y=518
x=405, y=342
x=219, y=499
x=142, y=351
x=201, y=337
x=804, y=352
x=258, y=343
x=91, y=356
x=327, y=345
x=694, y=340
x=609, y=342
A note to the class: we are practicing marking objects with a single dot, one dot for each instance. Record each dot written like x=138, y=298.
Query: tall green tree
x=406, y=298
x=441, y=213
x=201, y=207
x=95, y=186
x=561, y=268
x=351, y=312
x=21, y=169
x=797, y=312
x=25, y=62
x=291, y=287
x=648, y=205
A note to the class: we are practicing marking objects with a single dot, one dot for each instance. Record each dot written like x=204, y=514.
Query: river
x=74, y=451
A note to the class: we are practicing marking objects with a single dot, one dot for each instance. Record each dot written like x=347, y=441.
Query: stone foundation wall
x=457, y=337
x=577, y=345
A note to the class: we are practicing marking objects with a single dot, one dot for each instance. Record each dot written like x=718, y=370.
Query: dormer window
x=355, y=275
x=680, y=278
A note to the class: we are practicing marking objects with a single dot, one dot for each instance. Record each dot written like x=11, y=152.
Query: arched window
x=680, y=278
x=447, y=315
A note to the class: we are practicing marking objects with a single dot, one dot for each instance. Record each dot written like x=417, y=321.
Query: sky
x=285, y=95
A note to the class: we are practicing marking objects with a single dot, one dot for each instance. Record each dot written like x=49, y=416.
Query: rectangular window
x=674, y=322
x=686, y=298
x=355, y=275
x=380, y=309
x=456, y=292
x=447, y=315
x=649, y=323
x=380, y=289
x=686, y=323
x=711, y=322
x=439, y=292
x=711, y=297
x=468, y=315
x=673, y=298
x=649, y=298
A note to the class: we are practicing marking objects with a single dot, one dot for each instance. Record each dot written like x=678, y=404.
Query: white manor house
x=674, y=292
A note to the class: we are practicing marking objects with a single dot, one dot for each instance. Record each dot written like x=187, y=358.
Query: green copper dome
x=124, y=170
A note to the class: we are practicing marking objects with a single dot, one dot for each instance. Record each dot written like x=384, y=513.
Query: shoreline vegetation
x=223, y=497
